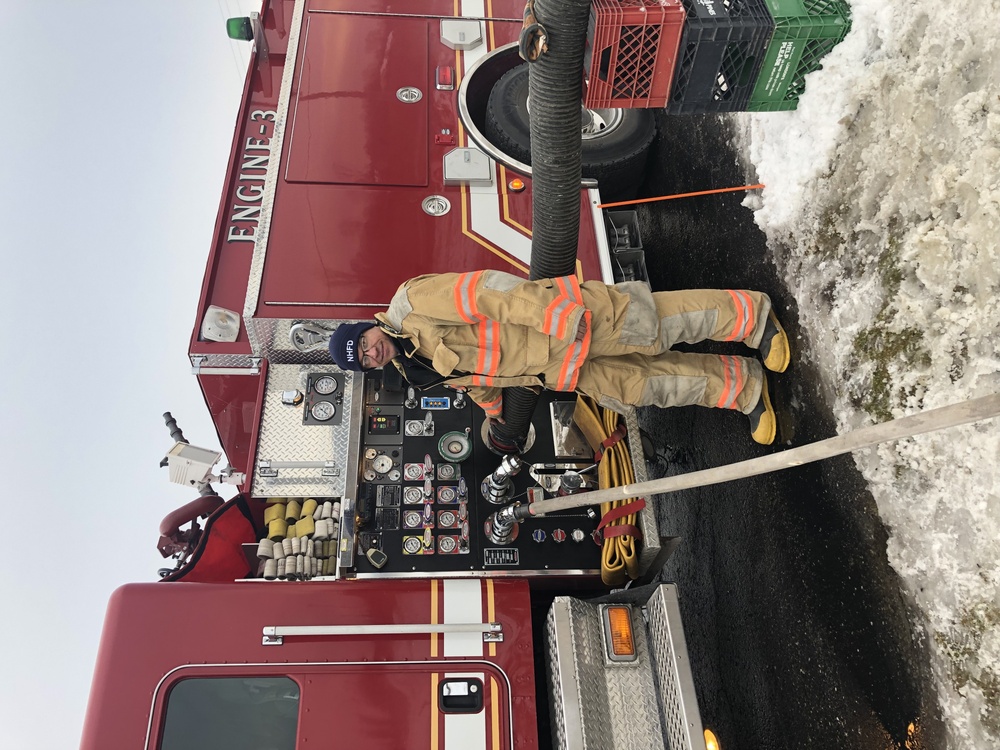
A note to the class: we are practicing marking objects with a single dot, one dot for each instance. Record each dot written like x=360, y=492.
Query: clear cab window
x=244, y=713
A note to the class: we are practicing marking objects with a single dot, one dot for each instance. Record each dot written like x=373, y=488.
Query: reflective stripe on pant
x=689, y=315
x=673, y=379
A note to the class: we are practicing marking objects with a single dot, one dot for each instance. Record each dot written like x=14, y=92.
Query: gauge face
x=446, y=495
x=382, y=464
x=413, y=471
x=394, y=475
x=447, y=544
x=455, y=446
x=411, y=545
x=411, y=519
x=446, y=471
x=413, y=495
x=447, y=519
x=414, y=427
x=323, y=410
x=325, y=385
x=371, y=453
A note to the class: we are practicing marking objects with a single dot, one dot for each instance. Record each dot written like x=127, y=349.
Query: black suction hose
x=555, y=90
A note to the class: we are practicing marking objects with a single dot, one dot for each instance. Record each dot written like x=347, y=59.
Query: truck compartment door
x=360, y=102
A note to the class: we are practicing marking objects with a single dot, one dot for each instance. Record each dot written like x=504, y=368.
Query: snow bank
x=882, y=208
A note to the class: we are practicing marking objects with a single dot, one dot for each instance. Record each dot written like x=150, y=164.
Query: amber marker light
x=620, y=631
x=711, y=741
x=516, y=185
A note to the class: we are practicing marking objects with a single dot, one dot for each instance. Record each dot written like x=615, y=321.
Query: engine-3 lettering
x=253, y=170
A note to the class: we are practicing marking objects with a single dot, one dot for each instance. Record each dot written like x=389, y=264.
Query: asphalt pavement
x=799, y=631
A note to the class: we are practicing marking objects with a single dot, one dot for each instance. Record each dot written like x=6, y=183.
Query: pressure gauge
x=411, y=519
x=394, y=475
x=447, y=544
x=325, y=385
x=412, y=545
x=382, y=464
x=446, y=494
x=447, y=519
x=413, y=472
x=413, y=495
x=446, y=471
x=414, y=427
x=323, y=410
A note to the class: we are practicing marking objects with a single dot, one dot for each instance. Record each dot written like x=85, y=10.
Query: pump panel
x=421, y=500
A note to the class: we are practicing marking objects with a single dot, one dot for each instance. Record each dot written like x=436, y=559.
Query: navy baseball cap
x=344, y=349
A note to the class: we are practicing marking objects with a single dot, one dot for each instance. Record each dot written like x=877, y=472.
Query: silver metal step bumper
x=599, y=704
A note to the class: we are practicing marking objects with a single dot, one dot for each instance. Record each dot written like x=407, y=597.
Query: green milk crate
x=804, y=32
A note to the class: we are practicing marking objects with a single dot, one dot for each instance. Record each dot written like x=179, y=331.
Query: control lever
x=460, y=400
x=463, y=489
x=428, y=514
x=428, y=489
x=428, y=538
x=411, y=398
x=377, y=557
x=428, y=427
x=463, y=540
x=463, y=511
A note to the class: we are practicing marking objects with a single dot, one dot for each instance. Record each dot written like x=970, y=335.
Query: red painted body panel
x=348, y=126
x=346, y=226
x=355, y=230
x=379, y=685
x=235, y=403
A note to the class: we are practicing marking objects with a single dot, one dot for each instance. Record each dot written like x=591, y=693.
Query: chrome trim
x=571, y=706
x=429, y=16
x=474, y=133
x=271, y=179
x=459, y=665
x=353, y=464
x=378, y=305
x=601, y=235
x=274, y=635
x=471, y=573
x=435, y=205
x=409, y=94
x=679, y=671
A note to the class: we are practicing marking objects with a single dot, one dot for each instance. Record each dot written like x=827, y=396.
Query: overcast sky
x=119, y=119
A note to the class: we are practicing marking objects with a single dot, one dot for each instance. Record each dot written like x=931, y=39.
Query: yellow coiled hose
x=618, y=550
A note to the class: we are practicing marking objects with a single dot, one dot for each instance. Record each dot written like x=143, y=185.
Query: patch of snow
x=882, y=208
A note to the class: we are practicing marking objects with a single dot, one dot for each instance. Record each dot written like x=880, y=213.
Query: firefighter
x=487, y=330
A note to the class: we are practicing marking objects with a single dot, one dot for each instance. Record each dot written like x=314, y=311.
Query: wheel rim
x=600, y=122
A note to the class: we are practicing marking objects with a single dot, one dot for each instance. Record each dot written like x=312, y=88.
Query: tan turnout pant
x=618, y=373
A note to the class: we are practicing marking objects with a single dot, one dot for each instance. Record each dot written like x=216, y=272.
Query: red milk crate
x=632, y=52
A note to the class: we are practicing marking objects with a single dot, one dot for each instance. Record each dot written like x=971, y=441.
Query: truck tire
x=615, y=141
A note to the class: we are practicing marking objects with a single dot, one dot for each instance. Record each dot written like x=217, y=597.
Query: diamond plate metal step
x=596, y=704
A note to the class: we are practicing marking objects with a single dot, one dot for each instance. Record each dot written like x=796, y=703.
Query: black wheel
x=615, y=141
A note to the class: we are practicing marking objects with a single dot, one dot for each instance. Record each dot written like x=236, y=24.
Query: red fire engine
x=353, y=592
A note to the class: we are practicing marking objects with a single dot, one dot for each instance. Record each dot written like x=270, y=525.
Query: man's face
x=376, y=348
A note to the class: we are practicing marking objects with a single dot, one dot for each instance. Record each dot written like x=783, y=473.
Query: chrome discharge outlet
x=499, y=486
x=501, y=527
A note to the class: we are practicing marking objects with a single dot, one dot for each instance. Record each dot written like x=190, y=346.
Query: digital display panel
x=383, y=424
x=435, y=403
